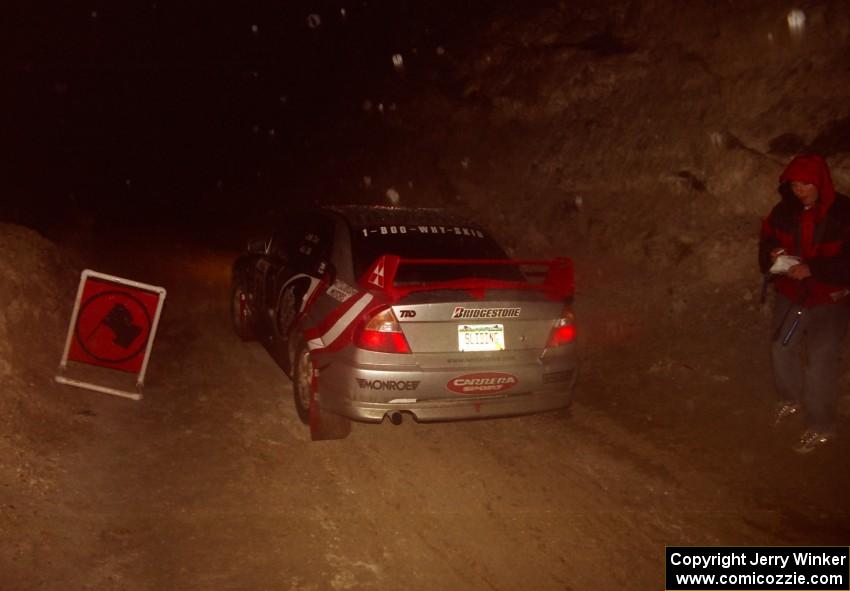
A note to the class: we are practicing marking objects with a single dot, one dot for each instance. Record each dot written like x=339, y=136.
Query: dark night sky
x=167, y=99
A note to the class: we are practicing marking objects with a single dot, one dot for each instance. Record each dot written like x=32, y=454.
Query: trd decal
x=407, y=313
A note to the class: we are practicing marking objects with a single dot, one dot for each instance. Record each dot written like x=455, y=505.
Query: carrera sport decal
x=336, y=324
x=419, y=229
x=482, y=383
x=341, y=291
x=461, y=312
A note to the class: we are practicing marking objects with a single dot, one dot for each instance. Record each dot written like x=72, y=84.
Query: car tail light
x=564, y=330
x=382, y=333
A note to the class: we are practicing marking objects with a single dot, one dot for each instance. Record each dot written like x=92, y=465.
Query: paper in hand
x=782, y=263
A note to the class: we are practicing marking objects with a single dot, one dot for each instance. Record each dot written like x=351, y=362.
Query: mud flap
x=324, y=425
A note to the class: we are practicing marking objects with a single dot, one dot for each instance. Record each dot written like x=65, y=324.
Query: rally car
x=380, y=312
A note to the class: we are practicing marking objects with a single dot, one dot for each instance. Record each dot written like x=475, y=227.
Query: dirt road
x=211, y=482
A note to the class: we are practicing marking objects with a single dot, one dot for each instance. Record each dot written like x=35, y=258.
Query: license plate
x=481, y=337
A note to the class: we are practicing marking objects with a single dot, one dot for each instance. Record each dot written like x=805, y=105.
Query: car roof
x=370, y=215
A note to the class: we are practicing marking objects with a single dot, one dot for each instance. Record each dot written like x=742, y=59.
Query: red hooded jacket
x=820, y=235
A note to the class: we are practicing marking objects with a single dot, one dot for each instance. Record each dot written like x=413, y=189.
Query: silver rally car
x=383, y=311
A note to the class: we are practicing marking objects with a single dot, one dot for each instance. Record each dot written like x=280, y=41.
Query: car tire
x=324, y=425
x=240, y=313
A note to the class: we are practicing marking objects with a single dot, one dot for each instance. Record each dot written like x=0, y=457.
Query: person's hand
x=799, y=272
x=775, y=253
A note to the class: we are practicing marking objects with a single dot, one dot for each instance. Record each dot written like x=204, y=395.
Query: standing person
x=805, y=242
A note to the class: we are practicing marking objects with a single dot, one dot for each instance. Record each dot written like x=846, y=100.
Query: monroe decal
x=461, y=312
x=388, y=385
x=482, y=383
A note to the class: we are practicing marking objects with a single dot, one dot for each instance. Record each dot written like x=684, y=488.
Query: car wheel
x=240, y=312
x=302, y=380
x=323, y=425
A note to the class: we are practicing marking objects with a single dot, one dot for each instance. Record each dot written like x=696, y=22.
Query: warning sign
x=113, y=325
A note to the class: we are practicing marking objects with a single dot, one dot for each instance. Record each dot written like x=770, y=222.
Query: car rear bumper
x=425, y=396
x=453, y=410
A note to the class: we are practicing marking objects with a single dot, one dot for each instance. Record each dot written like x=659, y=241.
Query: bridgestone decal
x=461, y=312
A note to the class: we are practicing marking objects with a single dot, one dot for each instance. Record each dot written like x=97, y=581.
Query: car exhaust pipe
x=396, y=418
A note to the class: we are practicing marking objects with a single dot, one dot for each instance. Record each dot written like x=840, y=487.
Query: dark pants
x=806, y=369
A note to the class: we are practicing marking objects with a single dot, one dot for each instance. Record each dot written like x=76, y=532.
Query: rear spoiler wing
x=558, y=277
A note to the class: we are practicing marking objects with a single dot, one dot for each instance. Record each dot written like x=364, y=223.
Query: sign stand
x=113, y=325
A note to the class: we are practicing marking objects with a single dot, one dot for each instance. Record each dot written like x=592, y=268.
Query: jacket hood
x=812, y=169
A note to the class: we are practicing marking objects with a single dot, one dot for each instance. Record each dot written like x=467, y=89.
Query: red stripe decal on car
x=338, y=323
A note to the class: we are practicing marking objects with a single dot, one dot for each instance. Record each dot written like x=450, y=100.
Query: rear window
x=428, y=241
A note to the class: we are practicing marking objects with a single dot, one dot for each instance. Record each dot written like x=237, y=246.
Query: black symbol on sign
x=120, y=322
